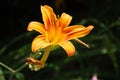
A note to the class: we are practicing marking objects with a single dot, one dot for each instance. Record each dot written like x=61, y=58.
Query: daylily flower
x=56, y=31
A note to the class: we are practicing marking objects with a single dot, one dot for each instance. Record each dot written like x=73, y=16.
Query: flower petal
x=65, y=20
x=39, y=43
x=68, y=47
x=49, y=16
x=36, y=26
x=77, y=31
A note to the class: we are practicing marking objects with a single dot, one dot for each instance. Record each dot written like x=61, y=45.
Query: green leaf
x=19, y=76
x=1, y=75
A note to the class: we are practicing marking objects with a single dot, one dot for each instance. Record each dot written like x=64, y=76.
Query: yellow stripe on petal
x=77, y=31
x=68, y=47
x=38, y=43
x=36, y=26
x=65, y=20
x=74, y=28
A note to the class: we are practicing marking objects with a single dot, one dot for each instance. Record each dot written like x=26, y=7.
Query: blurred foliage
x=1, y=75
x=103, y=58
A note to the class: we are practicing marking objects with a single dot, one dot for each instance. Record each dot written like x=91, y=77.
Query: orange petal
x=68, y=47
x=49, y=16
x=65, y=20
x=77, y=31
x=36, y=26
x=39, y=43
x=74, y=28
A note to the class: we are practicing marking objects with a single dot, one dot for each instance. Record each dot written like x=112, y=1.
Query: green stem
x=17, y=70
x=21, y=67
x=13, y=71
x=46, y=54
x=11, y=76
x=10, y=69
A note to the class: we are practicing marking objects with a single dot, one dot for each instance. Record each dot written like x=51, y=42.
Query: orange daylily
x=56, y=31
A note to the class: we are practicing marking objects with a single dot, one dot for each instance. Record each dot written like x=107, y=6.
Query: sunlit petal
x=38, y=43
x=68, y=47
x=36, y=26
x=65, y=20
x=74, y=28
x=49, y=16
x=77, y=31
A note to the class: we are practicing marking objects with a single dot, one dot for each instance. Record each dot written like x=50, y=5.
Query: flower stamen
x=81, y=42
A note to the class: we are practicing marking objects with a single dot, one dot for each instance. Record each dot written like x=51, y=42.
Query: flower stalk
x=45, y=54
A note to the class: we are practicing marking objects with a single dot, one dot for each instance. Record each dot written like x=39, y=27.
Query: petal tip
x=91, y=27
x=68, y=47
x=44, y=6
x=28, y=28
x=70, y=54
x=41, y=6
x=33, y=49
